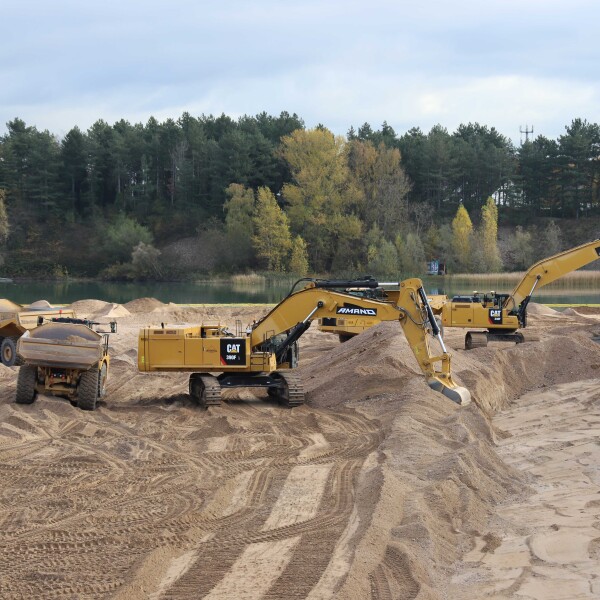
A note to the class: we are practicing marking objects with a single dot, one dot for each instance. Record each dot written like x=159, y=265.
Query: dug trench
x=376, y=488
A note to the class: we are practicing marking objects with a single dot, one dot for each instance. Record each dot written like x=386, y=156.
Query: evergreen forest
x=206, y=196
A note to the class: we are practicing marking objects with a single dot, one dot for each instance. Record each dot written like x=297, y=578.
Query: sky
x=508, y=64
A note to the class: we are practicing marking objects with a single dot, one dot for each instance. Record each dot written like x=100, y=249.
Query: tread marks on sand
x=120, y=507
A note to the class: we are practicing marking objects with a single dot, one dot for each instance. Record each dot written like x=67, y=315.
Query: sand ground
x=376, y=488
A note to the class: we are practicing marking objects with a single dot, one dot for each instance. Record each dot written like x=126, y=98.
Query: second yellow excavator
x=500, y=316
x=267, y=353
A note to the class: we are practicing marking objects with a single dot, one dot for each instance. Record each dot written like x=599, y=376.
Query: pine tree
x=272, y=239
x=4, y=226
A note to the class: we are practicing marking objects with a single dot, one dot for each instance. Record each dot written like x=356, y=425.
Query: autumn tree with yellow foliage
x=489, y=237
x=462, y=232
x=322, y=201
x=272, y=240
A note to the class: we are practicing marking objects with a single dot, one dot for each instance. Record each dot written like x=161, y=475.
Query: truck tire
x=8, y=351
x=26, y=381
x=87, y=389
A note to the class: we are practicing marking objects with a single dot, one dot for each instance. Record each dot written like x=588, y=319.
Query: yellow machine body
x=259, y=357
x=199, y=348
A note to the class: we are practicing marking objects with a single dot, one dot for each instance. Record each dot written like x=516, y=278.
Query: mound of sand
x=94, y=309
x=360, y=369
x=539, y=310
x=7, y=305
x=87, y=308
x=144, y=305
x=113, y=310
x=582, y=311
x=40, y=305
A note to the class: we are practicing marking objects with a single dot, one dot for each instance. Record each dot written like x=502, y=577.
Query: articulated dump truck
x=64, y=357
x=16, y=319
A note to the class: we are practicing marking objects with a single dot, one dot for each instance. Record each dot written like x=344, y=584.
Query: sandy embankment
x=377, y=488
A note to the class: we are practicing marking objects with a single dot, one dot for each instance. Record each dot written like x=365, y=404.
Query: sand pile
x=40, y=305
x=113, y=310
x=499, y=374
x=587, y=310
x=440, y=478
x=7, y=305
x=377, y=362
x=540, y=310
x=88, y=308
x=95, y=309
x=144, y=305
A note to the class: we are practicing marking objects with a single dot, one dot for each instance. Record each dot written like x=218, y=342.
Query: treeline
x=265, y=193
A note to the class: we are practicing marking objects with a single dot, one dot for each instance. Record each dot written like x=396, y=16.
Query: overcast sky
x=502, y=63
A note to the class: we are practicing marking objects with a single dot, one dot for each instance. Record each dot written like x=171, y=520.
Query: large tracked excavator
x=499, y=315
x=502, y=315
x=266, y=354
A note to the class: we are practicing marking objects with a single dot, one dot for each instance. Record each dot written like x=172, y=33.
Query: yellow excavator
x=266, y=354
x=500, y=315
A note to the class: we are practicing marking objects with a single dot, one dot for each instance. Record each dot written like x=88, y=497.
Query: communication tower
x=526, y=131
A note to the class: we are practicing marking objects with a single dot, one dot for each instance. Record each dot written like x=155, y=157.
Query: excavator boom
x=550, y=269
x=295, y=312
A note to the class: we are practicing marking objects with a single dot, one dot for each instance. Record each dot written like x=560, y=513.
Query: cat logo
x=495, y=316
x=233, y=352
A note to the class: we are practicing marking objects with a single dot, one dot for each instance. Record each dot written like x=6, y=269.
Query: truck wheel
x=8, y=351
x=26, y=381
x=344, y=337
x=87, y=390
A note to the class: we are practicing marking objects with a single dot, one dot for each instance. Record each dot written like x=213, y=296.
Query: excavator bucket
x=456, y=393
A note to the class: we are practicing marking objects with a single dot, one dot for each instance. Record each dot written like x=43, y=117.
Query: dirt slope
x=374, y=489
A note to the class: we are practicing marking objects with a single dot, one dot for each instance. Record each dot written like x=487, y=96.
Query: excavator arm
x=548, y=270
x=292, y=316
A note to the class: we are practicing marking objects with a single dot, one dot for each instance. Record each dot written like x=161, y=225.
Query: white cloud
x=502, y=62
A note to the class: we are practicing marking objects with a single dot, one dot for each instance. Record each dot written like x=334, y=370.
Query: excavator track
x=206, y=389
x=476, y=339
x=292, y=394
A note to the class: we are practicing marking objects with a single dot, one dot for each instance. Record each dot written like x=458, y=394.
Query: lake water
x=269, y=292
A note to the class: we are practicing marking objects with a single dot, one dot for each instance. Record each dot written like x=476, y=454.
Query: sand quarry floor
x=376, y=488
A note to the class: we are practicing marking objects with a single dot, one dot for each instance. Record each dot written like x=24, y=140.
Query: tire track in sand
x=90, y=497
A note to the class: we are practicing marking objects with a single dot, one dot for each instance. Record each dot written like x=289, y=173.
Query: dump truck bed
x=61, y=345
